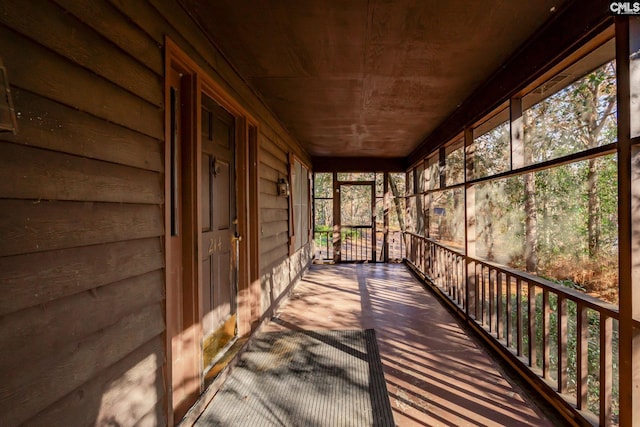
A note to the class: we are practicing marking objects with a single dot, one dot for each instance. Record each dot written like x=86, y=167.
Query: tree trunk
x=530, y=224
x=593, y=224
x=530, y=211
x=396, y=202
x=593, y=210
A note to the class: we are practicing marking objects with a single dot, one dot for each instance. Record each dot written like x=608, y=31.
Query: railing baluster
x=531, y=306
x=477, y=292
x=499, y=314
x=519, y=316
x=459, y=280
x=462, y=296
x=582, y=356
x=491, y=301
x=457, y=266
x=484, y=295
x=452, y=275
x=441, y=267
x=449, y=281
x=606, y=369
x=452, y=289
x=445, y=272
x=485, y=290
x=562, y=344
x=546, y=369
x=508, y=313
x=328, y=244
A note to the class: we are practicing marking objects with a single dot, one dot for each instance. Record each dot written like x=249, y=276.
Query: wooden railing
x=356, y=244
x=323, y=244
x=395, y=245
x=567, y=340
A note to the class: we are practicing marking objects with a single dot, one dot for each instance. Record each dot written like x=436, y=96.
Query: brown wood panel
x=268, y=201
x=53, y=176
x=114, y=26
x=67, y=36
x=269, y=243
x=279, y=136
x=34, y=332
x=46, y=124
x=35, y=68
x=70, y=271
x=267, y=158
x=359, y=164
x=273, y=228
x=145, y=17
x=271, y=215
x=155, y=417
x=266, y=144
x=29, y=391
x=141, y=397
x=80, y=408
x=29, y=226
x=270, y=174
x=268, y=187
x=268, y=259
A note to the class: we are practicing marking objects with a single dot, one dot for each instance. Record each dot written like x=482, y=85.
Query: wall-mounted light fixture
x=8, y=122
x=283, y=187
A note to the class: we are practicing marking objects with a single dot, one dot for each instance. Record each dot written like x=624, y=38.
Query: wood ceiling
x=367, y=77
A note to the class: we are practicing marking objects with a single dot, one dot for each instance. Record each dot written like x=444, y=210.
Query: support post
x=337, y=242
x=469, y=226
x=628, y=72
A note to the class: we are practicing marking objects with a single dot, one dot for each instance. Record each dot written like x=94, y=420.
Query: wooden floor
x=436, y=374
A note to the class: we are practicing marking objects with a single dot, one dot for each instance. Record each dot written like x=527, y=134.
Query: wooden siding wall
x=81, y=208
x=277, y=269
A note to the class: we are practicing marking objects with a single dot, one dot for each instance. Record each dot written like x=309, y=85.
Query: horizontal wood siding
x=82, y=195
x=81, y=191
x=274, y=229
x=278, y=271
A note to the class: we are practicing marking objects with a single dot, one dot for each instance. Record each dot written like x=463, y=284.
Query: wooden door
x=182, y=317
x=218, y=242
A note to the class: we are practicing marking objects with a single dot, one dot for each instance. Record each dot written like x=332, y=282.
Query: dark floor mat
x=305, y=378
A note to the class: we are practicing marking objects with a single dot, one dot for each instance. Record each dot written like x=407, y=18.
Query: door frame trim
x=338, y=217
x=247, y=202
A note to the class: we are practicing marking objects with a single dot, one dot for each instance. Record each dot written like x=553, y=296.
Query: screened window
x=300, y=193
x=572, y=112
x=454, y=163
x=490, y=151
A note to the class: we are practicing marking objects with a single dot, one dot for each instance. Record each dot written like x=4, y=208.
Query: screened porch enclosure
x=520, y=223
x=358, y=217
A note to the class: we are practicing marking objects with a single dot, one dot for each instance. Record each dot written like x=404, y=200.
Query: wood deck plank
x=436, y=373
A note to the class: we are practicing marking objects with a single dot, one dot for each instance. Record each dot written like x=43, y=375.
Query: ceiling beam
x=359, y=164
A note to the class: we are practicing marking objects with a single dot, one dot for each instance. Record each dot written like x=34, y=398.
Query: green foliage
x=575, y=221
x=491, y=151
